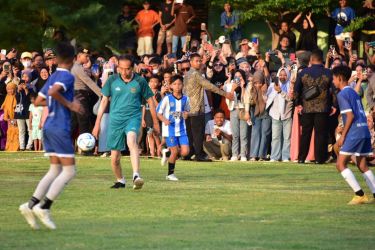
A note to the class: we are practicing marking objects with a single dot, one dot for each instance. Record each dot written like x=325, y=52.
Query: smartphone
x=6, y=67
x=4, y=52
x=292, y=57
x=275, y=80
x=95, y=68
x=180, y=1
x=203, y=26
x=347, y=42
x=255, y=40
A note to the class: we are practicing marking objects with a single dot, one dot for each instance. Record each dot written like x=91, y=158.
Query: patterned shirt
x=194, y=86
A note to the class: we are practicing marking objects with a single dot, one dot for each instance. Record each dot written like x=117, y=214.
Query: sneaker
x=44, y=216
x=253, y=159
x=224, y=158
x=273, y=160
x=286, y=161
x=171, y=177
x=138, y=182
x=234, y=158
x=29, y=216
x=358, y=200
x=164, y=156
x=243, y=158
x=118, y=185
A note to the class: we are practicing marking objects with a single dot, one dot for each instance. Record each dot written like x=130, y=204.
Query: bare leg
x=116, y=164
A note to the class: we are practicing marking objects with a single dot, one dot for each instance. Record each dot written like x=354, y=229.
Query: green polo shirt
x=126, y=98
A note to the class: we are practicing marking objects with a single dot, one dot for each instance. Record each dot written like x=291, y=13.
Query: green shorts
x=116, y=135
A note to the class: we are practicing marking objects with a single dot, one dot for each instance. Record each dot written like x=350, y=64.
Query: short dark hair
x=65, y=52
x=154, y=77
x=218, y=111
x=127, y=58
x=177, y=77
x=342, y=71
x=194, y=55
x=317, y=54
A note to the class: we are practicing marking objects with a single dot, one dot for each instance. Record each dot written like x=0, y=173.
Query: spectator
x=22, y=111
x=85, y=90
x=261, y=130
x=230, y=22
x=308, y=38
x=166, y=25
x=371, y=89
x=343, y=17
x=314, y=100
x=146, y=20
x=237, y=87
x=50, y=61
x=9, y=105
x=26, y=60
x=218, y=137
x=184, y=15
x=194, y=84
x=216, y=74
x=37, y=63
x=38, y=83
x=280, y=31
x=35, y=123
x=368, y=30
x=128, y=37
x=280, y=105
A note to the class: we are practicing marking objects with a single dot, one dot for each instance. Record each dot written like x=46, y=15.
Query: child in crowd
x=355, y=137
x=153, y=139
x=35, y=123
x=8, y=106
x=172, y=111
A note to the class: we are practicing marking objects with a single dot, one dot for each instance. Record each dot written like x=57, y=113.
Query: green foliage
x=358, y=23
x=31, y=24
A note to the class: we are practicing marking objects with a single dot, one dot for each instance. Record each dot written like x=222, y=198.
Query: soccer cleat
x=171, y=177
x=164, y=156
x=138, y=183
x=118, y=185
x=358, y=200
x=44, y=216
x=29, y=216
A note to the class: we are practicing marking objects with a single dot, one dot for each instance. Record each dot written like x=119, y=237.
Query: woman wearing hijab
x=8, y=106
x=38, y=83
x=261, y=130
x=280, y=106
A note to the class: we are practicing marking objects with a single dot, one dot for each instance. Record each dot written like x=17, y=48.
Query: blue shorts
x=116, y=135
x=357, y=147
x=58, y=143
x=173, y=141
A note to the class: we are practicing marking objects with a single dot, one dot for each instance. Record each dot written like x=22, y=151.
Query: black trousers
x=85, y=121
x=318, y=122
x=195, y=129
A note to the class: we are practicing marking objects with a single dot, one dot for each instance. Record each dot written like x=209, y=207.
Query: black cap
x=83, y=50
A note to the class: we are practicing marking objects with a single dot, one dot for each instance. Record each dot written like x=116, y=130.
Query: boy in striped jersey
x=172, y=111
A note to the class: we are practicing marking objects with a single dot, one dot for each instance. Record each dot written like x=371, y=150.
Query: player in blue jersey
x=172, y=111
x=57, y=94
x=355, y=139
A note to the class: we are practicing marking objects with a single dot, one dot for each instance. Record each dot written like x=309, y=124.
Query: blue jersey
x=59, y=117
x=349, y=101
x=172, y=109
x=343, y=18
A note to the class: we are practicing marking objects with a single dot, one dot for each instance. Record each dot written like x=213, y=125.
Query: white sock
x=370, y=180
x=45, y=182
x=135, y=174
x=122, y=180
x=57, y=186
x=350, y=179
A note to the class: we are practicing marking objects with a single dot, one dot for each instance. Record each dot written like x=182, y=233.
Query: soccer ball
x=86, y=141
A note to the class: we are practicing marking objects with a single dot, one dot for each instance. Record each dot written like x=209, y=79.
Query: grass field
x=213, y=206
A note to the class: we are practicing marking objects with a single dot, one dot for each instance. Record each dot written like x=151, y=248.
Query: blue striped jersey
x=172, y=109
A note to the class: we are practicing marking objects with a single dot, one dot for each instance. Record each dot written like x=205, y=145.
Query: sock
x=135, y=174
x=370, y=180
x=47, y=203
x=122, y=180
x=59, y=183
x=350, y=179
x=360, y=193
x=33, y=201
x=45, y=182
x=171, y=168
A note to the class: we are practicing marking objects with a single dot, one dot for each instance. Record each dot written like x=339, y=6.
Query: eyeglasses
x=185, y=69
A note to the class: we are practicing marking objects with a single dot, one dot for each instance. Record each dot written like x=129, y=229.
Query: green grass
x=213, y=206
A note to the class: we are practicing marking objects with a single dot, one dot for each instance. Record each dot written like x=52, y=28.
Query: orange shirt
x=146, y=19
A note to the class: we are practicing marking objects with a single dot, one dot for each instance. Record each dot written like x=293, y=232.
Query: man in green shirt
x=126, y=90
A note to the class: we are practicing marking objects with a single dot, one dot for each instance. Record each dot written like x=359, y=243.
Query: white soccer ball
x=86, y=141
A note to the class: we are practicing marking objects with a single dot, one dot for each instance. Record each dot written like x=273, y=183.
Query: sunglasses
x=185, y=69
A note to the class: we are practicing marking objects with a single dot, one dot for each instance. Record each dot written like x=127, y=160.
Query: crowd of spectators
x=244, y=105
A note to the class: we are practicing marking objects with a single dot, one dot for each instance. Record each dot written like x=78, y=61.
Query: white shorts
x=344, y=35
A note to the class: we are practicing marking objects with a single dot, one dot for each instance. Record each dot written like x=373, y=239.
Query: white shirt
x=211, y=126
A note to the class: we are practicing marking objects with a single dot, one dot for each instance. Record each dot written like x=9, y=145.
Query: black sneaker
x=118, y=185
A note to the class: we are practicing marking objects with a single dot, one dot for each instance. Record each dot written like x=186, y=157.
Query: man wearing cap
x=146, y=20
x=50, y=61
x=26, y=60
x=194, y=84
x=84, y=90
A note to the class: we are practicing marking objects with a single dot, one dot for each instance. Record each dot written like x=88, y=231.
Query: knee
x=184, y=152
